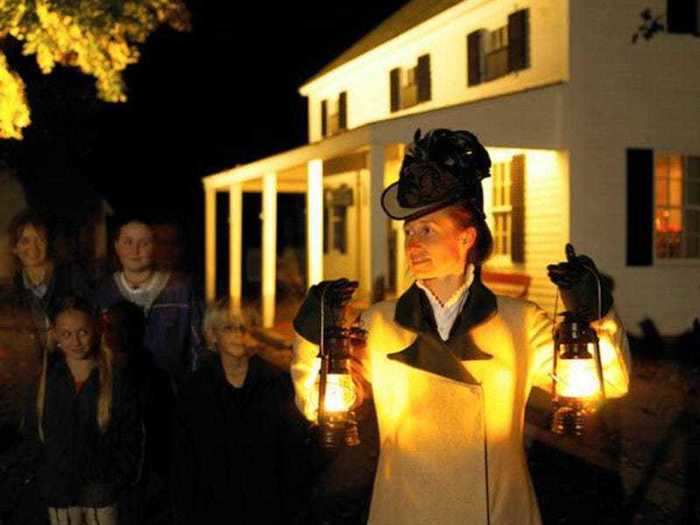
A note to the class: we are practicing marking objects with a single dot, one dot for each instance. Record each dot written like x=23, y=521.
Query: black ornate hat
x=439, y=169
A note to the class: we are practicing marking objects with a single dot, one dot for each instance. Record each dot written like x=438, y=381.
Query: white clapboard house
x=595, y=140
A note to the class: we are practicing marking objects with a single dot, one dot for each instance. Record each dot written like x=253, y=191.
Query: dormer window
x=410, y=86
x=494, y=54
x=334, y=115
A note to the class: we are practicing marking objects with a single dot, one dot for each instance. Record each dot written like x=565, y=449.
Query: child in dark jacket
x=85, y=423
x=239, y=441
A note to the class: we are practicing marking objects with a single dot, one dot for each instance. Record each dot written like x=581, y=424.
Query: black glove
x=336, y=295
x=578, y=279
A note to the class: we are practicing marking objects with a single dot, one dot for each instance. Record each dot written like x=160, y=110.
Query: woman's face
x=75, y=335
x=231, y=338
x=436, y=247
x=31, y=248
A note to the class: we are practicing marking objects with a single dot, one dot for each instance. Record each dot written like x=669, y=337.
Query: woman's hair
x=464, y=217
x=26, y=218
x=103, y=357
x=221, y=312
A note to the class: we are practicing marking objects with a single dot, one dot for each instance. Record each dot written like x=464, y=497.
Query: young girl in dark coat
x=239, y=453
x=85, y=422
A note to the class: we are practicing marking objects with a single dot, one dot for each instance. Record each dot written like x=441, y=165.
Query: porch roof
x=532, y=118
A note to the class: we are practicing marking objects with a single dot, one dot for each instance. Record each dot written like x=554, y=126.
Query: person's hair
x=221, y=312
x=105, y=366
x=464, y=217
x=134, y=218
x=29, y=217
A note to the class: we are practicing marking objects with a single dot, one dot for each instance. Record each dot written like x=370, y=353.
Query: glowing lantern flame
x=577, y=378
x=340, y=393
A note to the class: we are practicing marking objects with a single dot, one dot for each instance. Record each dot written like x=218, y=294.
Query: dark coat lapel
x=429, y=352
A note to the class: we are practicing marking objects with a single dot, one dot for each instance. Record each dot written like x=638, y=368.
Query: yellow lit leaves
x=14, y=111
x=99, y=37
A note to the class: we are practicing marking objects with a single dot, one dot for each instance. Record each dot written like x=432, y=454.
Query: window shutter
x=343, y=110
x=518, y=40
x=395, y=86
x=474, y=58
x=517, y=201
x=423, y=78
x=324, y=118
x=683, y=16
x=640, y=207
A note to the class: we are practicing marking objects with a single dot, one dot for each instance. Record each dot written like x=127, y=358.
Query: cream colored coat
x=451, y=449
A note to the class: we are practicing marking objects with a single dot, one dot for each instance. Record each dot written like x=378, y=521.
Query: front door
x=340, y=225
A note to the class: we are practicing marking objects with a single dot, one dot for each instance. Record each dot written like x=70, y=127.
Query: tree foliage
x=99, y=37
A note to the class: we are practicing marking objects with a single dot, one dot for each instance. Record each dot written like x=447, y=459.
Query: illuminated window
x=495, y=54
x=410, y=86
x=677, y=206
x=334, y=115
x=502, y=209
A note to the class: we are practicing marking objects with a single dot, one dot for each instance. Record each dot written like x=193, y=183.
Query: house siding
x=614, y=105
x=366, y=78
x=546, y=220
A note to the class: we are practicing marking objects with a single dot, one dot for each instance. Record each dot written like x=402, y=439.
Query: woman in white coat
x=451, y=364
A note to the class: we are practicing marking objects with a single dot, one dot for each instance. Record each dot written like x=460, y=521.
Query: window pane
x=676, y=193
x=675, y=167
x=661, y=192
x=675, y=221
x=661, y=163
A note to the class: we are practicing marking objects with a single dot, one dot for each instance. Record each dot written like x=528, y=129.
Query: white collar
x=456, y=296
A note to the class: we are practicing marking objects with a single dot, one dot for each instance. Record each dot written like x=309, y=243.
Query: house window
x=334, y=115
x=502, y=209
x=410, y=86
x=677, y=206
x=494, y=54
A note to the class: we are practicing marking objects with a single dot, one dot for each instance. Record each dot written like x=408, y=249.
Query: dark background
x=199, y=102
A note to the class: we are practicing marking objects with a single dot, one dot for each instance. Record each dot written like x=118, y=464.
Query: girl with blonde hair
x=85, y=422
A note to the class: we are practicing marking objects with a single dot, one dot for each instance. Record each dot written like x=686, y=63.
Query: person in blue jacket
x=172, y=308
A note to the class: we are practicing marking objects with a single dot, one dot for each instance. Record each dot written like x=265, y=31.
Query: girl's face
x=231, y=338
x=436, y=247
x=74, y=332
x=134, y=247
x=31, y=247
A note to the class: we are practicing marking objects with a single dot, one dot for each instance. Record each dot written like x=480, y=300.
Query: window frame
x=502, y=208
x=684, y=208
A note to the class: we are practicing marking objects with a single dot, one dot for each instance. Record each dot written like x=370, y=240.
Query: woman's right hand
x=334, y=295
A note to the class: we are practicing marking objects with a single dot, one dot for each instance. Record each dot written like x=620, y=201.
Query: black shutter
x=682, y=16
x=423, y=78
x=343, y=110
x=640, y=207
x=517, y=201
x=395, y=86
x=474, y=58
x=518, y=40
x=324, y=118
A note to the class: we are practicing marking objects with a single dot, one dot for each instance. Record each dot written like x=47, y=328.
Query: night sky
x=199, y=102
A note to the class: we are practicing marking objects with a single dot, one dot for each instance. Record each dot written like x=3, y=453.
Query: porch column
x=314, y=222
x=235, y=243
x=269, y=248
x=374, y=247
x=210, y=243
